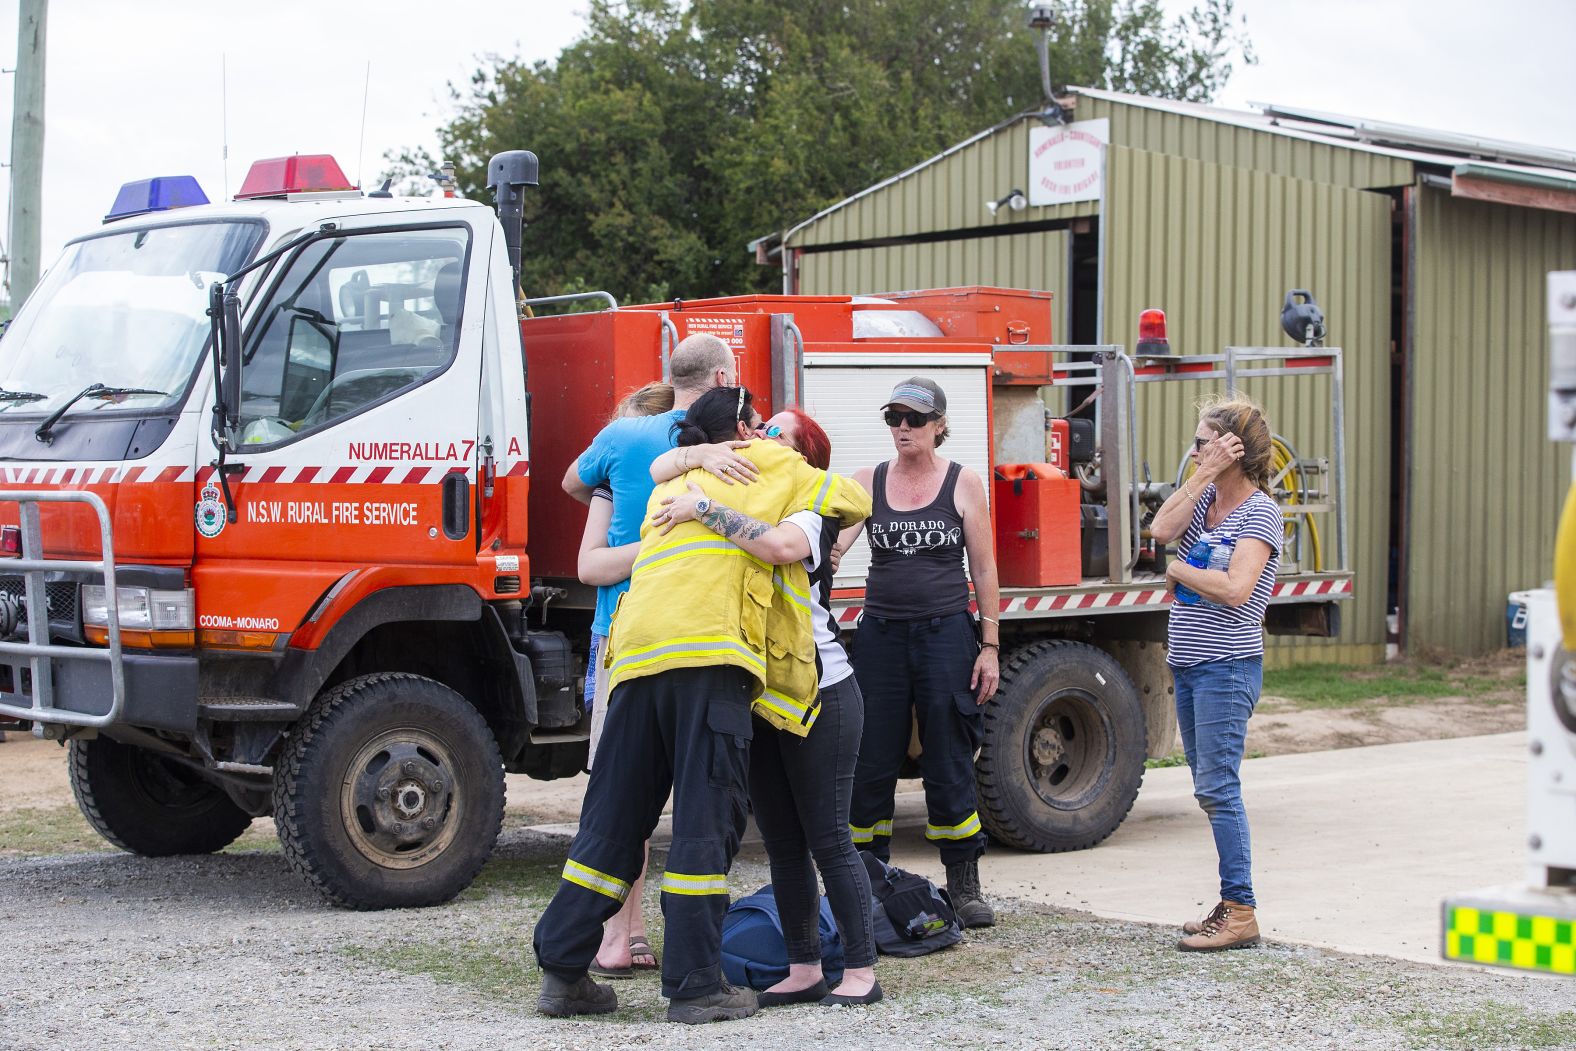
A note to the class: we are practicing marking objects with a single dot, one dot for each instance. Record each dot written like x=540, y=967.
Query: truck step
x=247, y=710
x=567, y=735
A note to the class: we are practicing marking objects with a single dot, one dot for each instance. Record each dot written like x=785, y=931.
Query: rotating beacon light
x=160, y=194
x=1152, y=332
x=302, y=173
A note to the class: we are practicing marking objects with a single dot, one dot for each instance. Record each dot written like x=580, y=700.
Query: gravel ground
x=108, y=951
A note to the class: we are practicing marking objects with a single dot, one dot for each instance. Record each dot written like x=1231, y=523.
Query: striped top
x=1222, y=633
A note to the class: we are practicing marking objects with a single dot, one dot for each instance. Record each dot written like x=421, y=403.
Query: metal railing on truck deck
x=1117, y=375
x=38, y=650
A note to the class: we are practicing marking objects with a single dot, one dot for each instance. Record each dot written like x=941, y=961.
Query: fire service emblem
x=211, y=516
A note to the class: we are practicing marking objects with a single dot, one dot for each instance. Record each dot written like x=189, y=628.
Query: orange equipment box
x=1037, y=524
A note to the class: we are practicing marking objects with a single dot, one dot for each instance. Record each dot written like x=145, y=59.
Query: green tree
x=670, y=134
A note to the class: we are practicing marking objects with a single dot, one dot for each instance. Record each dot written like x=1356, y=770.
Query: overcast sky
x=135, y=89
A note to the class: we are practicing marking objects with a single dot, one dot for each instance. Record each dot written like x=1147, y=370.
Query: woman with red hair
x=800, y=787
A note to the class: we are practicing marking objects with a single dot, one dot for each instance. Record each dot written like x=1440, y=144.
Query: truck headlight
x=141, y=609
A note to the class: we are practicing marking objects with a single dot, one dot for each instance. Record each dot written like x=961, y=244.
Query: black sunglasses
x=897, y=417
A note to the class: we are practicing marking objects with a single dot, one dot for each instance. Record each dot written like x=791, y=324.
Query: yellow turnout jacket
x=697, y=599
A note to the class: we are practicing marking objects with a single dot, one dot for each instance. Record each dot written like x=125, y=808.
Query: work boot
x=963, y=887
x=1230, y=926
x=1194, y=926
x=561, y=998
x=727, y=1004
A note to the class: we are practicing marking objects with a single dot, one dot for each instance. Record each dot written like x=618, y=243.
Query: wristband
x=992, y=645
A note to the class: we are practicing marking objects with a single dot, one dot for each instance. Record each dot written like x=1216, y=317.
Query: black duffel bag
x=911, y=916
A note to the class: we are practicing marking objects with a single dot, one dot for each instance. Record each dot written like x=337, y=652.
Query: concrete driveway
x=1352, y=849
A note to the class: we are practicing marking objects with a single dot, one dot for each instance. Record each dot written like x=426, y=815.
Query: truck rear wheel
x=390, y=793
x=146, y=804
x=1063, y=750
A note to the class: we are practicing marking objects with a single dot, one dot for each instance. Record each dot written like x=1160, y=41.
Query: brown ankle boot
x=1194, y=926
x=1230, y=926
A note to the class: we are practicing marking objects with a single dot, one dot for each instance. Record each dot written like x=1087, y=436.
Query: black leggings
x=800, y=788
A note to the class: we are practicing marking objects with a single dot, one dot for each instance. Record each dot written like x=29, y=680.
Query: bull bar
x=33, y=567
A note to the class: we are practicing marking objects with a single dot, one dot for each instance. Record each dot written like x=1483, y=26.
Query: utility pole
x=27, y=151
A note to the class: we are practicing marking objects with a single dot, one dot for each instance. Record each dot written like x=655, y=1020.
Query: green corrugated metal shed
x=1212, y=215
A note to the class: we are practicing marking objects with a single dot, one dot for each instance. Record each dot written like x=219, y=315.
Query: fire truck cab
x=312, y=608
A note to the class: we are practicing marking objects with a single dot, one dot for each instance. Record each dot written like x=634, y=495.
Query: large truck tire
x=389, y=793
x=1063, y=749
x=148, y=805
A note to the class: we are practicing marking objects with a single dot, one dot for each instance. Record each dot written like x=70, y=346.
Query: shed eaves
x=1327, y=129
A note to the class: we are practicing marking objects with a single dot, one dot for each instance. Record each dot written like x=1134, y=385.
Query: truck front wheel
x=1063, y=750
x=149, y=805
x=389, y=793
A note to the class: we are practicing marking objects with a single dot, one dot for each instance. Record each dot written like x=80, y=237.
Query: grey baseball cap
x=919, y=394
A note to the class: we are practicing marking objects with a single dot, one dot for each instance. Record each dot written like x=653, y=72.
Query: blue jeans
x=1214, y=701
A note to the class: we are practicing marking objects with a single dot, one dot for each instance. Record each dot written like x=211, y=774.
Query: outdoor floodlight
x=1014, y=200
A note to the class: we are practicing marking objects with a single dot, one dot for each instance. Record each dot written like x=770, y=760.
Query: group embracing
x=718, y=678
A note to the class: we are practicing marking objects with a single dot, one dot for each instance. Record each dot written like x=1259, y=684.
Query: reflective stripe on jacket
x=696, y=599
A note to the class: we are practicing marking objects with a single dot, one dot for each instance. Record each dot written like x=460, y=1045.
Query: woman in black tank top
x=918, y=654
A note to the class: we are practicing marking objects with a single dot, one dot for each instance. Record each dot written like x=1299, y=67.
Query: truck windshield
x=125, y=309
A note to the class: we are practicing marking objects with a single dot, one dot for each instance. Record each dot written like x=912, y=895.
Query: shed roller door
x=847, y=400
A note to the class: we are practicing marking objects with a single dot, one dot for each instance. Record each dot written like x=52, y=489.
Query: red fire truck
x=265, y=475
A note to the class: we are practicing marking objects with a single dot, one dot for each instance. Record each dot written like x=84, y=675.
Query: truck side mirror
x=230, y=376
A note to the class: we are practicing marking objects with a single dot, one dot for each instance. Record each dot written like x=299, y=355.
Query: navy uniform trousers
x=918, y=670
x=686, y=731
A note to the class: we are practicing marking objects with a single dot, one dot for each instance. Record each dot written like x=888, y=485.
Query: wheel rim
x=1068, y=749
x=398, y=800
x=164, y=784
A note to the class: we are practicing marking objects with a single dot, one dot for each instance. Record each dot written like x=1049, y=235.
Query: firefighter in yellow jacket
x=688, y=654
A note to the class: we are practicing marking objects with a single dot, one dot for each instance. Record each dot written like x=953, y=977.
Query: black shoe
x=727, y=1004
x=561, y=998
x=838, y=1000
x=811, y=995
x=963, y=887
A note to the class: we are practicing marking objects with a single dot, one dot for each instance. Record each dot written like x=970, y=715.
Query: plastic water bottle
x=1204, y=555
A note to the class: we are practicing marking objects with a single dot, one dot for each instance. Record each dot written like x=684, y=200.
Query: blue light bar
x=156, y=195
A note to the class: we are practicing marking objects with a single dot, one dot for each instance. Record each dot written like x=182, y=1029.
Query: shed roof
x=1472, y=156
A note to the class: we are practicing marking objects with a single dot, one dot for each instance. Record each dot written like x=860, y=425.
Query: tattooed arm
x=778, y=545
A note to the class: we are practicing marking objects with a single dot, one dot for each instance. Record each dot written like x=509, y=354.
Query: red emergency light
x=1152, y=332
x=303, y=173
x=10, y=541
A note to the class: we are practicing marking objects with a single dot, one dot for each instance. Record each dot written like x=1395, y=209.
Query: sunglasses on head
x=772, y=431
x=897, y=417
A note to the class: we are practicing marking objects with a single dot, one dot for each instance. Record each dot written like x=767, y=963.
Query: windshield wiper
x=45, y=432
x=20, y=395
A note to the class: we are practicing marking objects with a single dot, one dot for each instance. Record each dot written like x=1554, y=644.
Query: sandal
x=616, y=973
x=640, y=947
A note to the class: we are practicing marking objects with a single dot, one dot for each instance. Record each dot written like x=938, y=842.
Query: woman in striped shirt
x=1216, y=637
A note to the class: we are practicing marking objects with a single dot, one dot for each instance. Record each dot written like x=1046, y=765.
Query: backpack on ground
x=754, y=952
x=911, y=916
